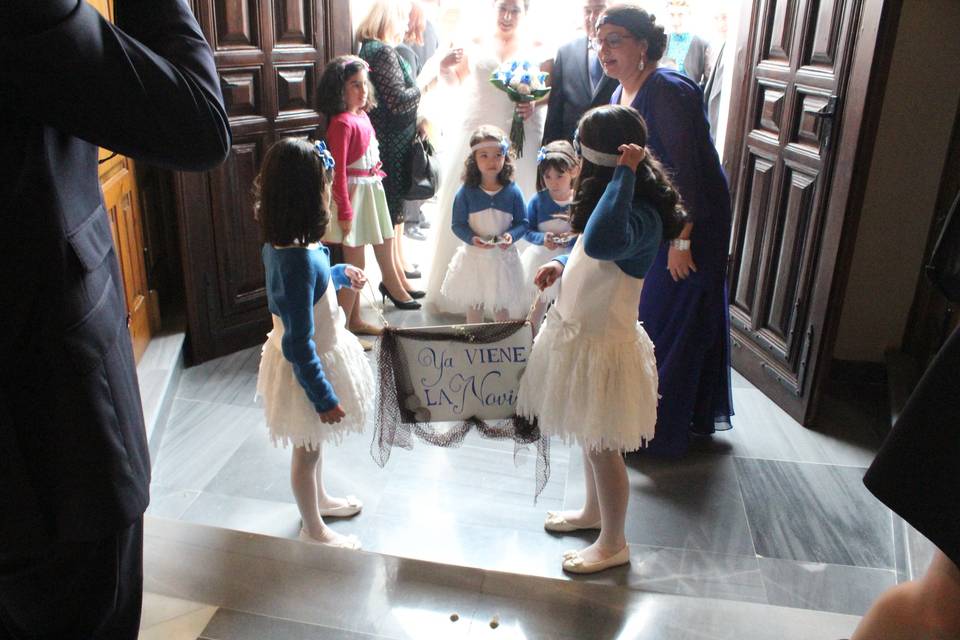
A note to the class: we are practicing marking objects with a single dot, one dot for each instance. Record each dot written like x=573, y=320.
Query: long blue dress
x=689, y=320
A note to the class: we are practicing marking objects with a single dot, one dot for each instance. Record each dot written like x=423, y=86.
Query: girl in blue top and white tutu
x=548, y=220
x=592, y=376
x=314, y=380
x=485, y=274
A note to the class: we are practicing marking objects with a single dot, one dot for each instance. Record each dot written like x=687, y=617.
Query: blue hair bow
x=541, y=155
x=504, y=146
x=325, y=156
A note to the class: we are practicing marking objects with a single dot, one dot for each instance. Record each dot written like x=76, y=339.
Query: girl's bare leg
x=391, y=279
x=475, y=315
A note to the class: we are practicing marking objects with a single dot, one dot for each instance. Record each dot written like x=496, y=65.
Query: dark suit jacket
x=570, y=95
x=74, y=463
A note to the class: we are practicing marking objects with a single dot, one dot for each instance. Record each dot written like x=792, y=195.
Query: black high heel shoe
x=408, y=305
x=415, y=294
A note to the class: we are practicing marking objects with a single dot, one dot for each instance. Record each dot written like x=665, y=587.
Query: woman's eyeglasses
x=614, y=40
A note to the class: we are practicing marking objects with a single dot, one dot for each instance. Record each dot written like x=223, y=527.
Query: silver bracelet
x=680, y=244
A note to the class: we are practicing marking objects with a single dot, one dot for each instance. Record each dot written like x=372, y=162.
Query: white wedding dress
x=475, y=102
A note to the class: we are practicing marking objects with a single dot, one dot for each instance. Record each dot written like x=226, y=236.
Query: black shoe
x=412, y=275
x=416, y=295
x=408, y=305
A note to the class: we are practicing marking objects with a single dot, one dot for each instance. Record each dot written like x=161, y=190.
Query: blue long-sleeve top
x=297, y=278
x=473, y=199
x=625, y=230
x=541, y=208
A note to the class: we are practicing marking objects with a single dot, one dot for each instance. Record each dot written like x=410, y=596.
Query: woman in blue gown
x=684, y=304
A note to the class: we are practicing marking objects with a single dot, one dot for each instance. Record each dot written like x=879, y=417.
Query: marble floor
x=769, y=512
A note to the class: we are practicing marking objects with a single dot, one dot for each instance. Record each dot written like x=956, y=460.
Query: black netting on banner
x=397, y=425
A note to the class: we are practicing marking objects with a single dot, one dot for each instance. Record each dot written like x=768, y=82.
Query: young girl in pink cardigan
x=345, y=95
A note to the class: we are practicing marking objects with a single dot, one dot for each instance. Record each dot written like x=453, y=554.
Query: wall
x=919, y=110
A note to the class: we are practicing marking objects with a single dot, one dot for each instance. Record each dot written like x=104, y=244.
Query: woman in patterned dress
x=395, y=117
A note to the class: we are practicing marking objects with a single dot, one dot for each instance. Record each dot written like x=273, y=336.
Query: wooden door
x=808, y=110
x=122, y=203
x=269, y=54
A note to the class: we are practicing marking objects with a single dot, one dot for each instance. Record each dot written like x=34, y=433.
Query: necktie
x=596, y=69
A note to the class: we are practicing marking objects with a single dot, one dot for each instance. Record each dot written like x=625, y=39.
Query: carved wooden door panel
x=269, y=54
x=803, y=116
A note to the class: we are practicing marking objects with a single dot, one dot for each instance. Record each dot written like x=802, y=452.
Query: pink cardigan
x=348, y=136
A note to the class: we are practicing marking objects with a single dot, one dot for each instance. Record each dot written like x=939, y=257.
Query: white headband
x=503, y=145
x=598, y=157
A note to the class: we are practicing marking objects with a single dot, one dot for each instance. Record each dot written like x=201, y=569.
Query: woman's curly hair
x=604, y=129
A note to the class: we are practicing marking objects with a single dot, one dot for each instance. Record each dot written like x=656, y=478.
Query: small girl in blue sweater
x=485, y=273
x=591, y=378
x=314, y=379
x=548, y=219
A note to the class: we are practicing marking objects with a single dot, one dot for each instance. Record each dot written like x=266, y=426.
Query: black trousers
x=76, y=590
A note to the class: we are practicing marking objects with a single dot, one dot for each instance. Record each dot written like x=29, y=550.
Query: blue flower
x=526, y=65
x=514, y=65
x=541, y=155
x=503, y=76
x=325, y=156
x=526, y=79
x=504, y=146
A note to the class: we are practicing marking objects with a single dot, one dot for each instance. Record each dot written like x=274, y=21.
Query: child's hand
x=345, y=226
x=358, y=279
x=548, y=274
x=505, y=241
x=631, y=155
x=481, y=243
x=333, y=415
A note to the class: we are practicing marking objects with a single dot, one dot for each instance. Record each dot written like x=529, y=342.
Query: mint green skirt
x=371, y=217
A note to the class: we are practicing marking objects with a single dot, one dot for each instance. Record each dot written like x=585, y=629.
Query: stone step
x=284, y=587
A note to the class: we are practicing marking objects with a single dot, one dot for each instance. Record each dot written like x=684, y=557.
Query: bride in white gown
x=479, y=102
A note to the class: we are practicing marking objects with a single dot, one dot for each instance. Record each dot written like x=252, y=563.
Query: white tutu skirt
x=597, y=393
x=489, y=277
x=292, y=418
x=534, y=257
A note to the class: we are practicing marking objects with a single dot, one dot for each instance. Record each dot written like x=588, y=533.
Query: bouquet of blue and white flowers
x=522, y=81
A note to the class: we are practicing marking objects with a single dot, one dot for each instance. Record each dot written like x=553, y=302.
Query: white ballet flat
x=352, y=508
x=574, y=562
x=350, y=542
x=556, y=522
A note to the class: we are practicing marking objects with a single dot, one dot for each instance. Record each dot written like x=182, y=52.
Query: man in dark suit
x=74, y=465
x=577, y=80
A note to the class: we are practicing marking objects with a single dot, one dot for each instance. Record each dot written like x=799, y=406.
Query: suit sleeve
x=146, y=87
x=553, y=128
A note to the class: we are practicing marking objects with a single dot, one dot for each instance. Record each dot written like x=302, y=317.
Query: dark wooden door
x=269, y=54
x=808, y=101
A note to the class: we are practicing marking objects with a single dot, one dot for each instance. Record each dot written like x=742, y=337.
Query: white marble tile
x=231, y=379
x=158, y=609
x=166, y=502
x=824, y=587
x=199, y=439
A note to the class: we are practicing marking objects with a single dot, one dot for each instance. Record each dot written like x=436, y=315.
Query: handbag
x=423, y=172
x=943, y=270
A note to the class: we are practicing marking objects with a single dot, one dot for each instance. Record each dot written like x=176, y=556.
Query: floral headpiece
x=325, y=156
x=541, y=155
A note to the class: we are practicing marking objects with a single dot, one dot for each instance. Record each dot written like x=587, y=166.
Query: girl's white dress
x=592, y=375
x=481, y=103
x=537, y=255
x=291, y=417
x=489, y=277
